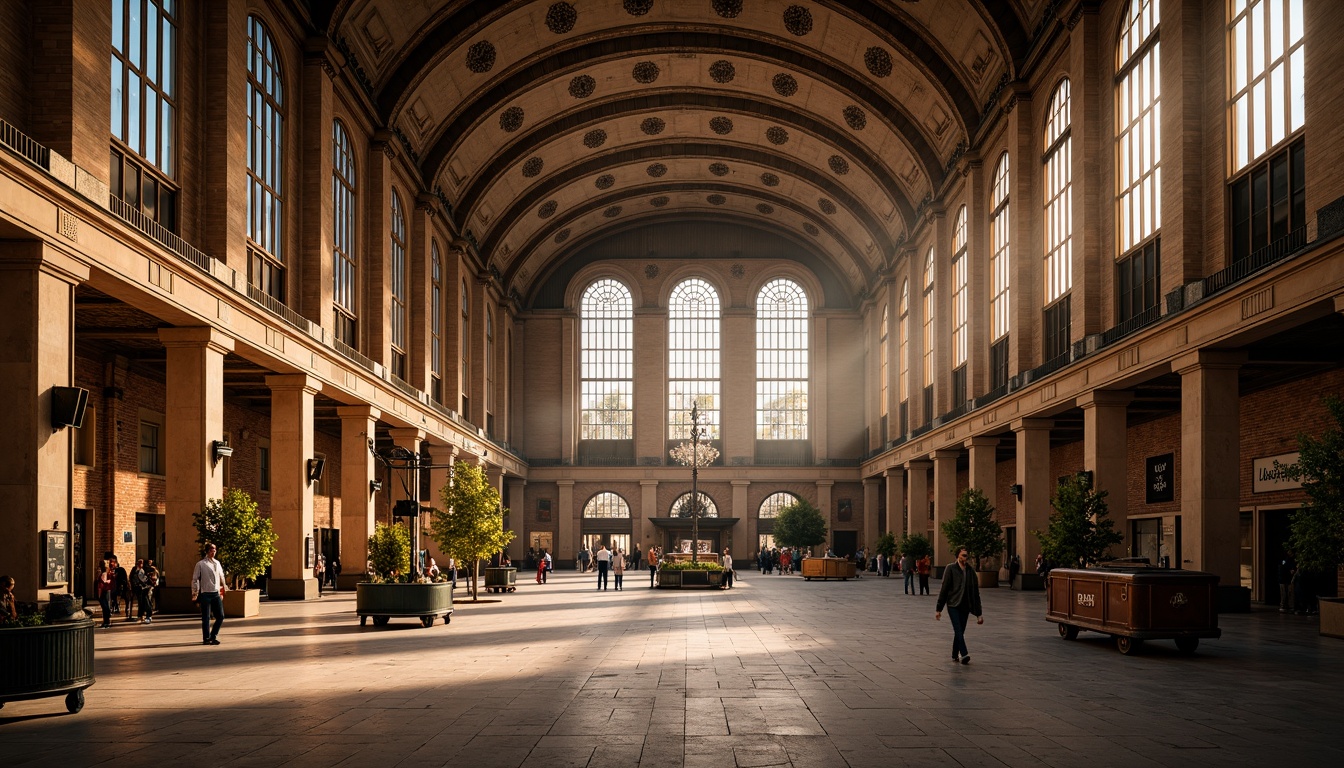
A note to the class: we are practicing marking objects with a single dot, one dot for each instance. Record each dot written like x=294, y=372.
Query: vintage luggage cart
x=1134, y=603
x=828, y=568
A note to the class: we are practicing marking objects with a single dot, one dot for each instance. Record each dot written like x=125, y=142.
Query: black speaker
x=315, y=467
x=67, y=406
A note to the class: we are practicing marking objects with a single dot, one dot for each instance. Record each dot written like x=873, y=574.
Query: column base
x=175, y=600
x=291, y=589
x=1028, y=582
x=346, y=581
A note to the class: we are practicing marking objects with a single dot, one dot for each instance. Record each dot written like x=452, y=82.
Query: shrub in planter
x=245, y=540
x=390, y=554
x=800, y=526
x=915, y=546
x=1080, y=533
x=973, y=526
x=471, y=526
x=1316, y=532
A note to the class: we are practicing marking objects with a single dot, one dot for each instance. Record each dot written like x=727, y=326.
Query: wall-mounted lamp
x=1016, y=490
x=219, y=450
x=1086, y=474
x=375, y=486
x=315, y=467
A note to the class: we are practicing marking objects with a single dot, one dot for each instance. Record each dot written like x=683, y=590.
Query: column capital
x=825, y=483
x=1208, y=358
x=566, y=483
x=297, y=381
x=1031, y=425
x=918, y=464
x=438, y=452
x=983, y=441
x=740, y=483
x=654, y=483
x=1104, y=398
x=37, y=255
x=943, y=454
x=197, y=336
x=893, y=472
x=407, y=435
x=356, y=412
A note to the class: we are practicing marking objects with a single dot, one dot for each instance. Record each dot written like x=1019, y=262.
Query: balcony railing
x=1274, y=252
x=1141, y=320
x=20, y=144
x=160, y=233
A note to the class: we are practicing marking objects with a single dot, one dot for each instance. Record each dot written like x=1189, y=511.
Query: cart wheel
x=809, y=578
x=380, y=621
x=426, y=621
x=1127, y=645
x=448, y=619
x=1068, y=631
x=1187, y=645
x=74, y=701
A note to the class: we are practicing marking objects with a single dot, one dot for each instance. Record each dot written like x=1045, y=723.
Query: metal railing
x=278, y=308
x=1141, y=320
x=20, y=144
x=159, y=233
x=1276, y=251
x=349, y=353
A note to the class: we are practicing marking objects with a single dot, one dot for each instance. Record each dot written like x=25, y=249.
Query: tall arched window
x=883, y=371
x=489, y=372
x=682, y=506
x=1058, y=222
x=959, y=309
x=1139, y=158
x=606, y=505
x=692, y=358
x=144, y=108
x=606, y=367
x=399, y=290
x=903, y=358
x=265, y=162
x=1267, y=107
x=343, y=233
x=436, y=323
x=999, y=270
x=928, y=336
x=781, y=361
x=464, y=346
x=774, y=503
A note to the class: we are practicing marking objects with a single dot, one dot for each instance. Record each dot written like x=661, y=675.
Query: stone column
x=358, y=425
x=872, y=491
x=1025, y=297
x=819, y=431
x=746, y=520
x=1033, y=474
x=648, y=508
x=1106, y=451
x=516, y=503
x=442, y=457
x=291, y=492
x=1091, y=95
x=37, y=288
x=194, y=419
x=944, y=501
x=1210, y=452
x=223, y=138
x=983, y=451
x=650, y=372
x=314, y=262
x=569, y=389
x=917, y=496
x=824, y=498
x=896, y=520
x=738, y=378
x=566, y=523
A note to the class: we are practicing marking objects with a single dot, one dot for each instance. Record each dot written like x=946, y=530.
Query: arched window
x=959, y=309
x=464, y=346
x=775, y=502
x=1139, y=157
x=1058, y=270
x=399, y=290
x=928, y=336
x=606, y=505
x=1266, y=107
x=343, y=233
x=265, y=162
x=489, y=371
x=682, y=506
x=144, y=108
x=903, y=358
x=436, y=322
x=692, y=358
x=999, y=270
x=781, y=361
x=883, y=384
x=606, y=368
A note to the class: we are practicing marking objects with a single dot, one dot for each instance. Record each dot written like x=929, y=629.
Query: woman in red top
x=103, y=588
x=923, y=566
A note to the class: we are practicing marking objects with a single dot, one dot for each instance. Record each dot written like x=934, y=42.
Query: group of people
x=911, y=566
x=586, y=559
x=326, y=572
x=610, y=562
x=779, y=561
x=116, y=587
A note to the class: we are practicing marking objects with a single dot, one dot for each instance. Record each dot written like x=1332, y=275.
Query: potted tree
x=973, y=526
x=471, y=526
x=392, y=590
x=1080, y=532
x=802, y=526
x=915, y=546
x=886, y=547
x=246, y=545
x=1316, y=531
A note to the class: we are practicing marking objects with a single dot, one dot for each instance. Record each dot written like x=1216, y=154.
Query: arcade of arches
x=889, y=250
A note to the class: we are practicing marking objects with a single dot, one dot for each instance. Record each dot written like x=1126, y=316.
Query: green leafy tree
x=973, y=526
x=915, y=546
x=471, y=525
x=800, y=525
x=245, y=540
x=1316, y=531
x=1080, y=533
x=390, y=552
x=886, y=545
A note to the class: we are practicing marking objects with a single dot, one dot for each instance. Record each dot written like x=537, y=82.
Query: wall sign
x=543, y=510
x=54, y=549
x=1270, y=473
x=1160, y=478
x=845, y=510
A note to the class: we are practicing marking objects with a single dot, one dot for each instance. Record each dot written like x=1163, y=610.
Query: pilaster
x=917, y=497
x=1033, y=475
x=291, y=491
x=1210, y=452
x=1106, y=450
x=897, y=521
x=358, y=425
x=944, y=501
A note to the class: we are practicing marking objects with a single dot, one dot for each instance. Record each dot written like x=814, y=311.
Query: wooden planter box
x=689, y=579
x=426, y=602
x=1332, y=616
x=987, y=579
x=242, y=603
x=1134, y=604
x=51, y=660
x=828, y=568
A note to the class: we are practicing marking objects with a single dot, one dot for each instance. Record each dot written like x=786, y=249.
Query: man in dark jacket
x=961, y=594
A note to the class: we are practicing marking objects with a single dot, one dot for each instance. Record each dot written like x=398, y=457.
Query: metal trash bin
x=1134, y=603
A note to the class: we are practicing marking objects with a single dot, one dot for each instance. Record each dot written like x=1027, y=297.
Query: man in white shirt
x=207, y=587
x=603, y=558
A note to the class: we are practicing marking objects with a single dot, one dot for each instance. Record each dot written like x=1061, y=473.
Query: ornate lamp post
x=695, y=456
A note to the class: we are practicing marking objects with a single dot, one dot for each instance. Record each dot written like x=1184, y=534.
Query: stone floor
x=776, y=672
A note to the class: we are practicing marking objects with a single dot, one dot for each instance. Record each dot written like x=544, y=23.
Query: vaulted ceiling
x=551, y=125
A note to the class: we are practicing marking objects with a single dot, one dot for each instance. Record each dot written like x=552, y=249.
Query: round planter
x=500, y=579
x=987, y=579
x=54, y=660
x=387, y=601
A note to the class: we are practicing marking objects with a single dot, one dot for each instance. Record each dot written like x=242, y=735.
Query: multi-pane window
x=1058, y=196
x=903, y=357
x=1267, y=59
x=489, y=368
x=693, y=358
x=265, y=161
x=884, y=385
x=606, y=363
x=1138, y=281
x=1269, y=204
x=343, y=232
x=465, y=347
x=928, y=318
x=682, y=507
x=606, y=505
x=435, y=322
x=151, y=462
x=144, y=107
x=959, y=309
x=1139, y=140
x=775, y=502
x=999, y=265
x=781, y=361
x=399, y=290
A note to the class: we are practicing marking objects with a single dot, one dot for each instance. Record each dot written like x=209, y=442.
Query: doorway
x=149, y=538
x=1273, y=541
x=845, y=543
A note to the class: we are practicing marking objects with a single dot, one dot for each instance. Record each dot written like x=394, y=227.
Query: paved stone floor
x=776, y=672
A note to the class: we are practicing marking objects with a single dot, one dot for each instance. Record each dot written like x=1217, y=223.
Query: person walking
x=541, y=567
x=635, y=558
x=207, y=588
x=961, y=594
x=603, y=559
x=583, y=560
x=653, y=556
x=103, y=586
x=320, y=572
x=727, y=569
x=152, y=580
x=908, y=571
x=140, y=585
x=922, y=567
x=333, y=571
x=121, y=588
x=1287, y=567
x=618, y=567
